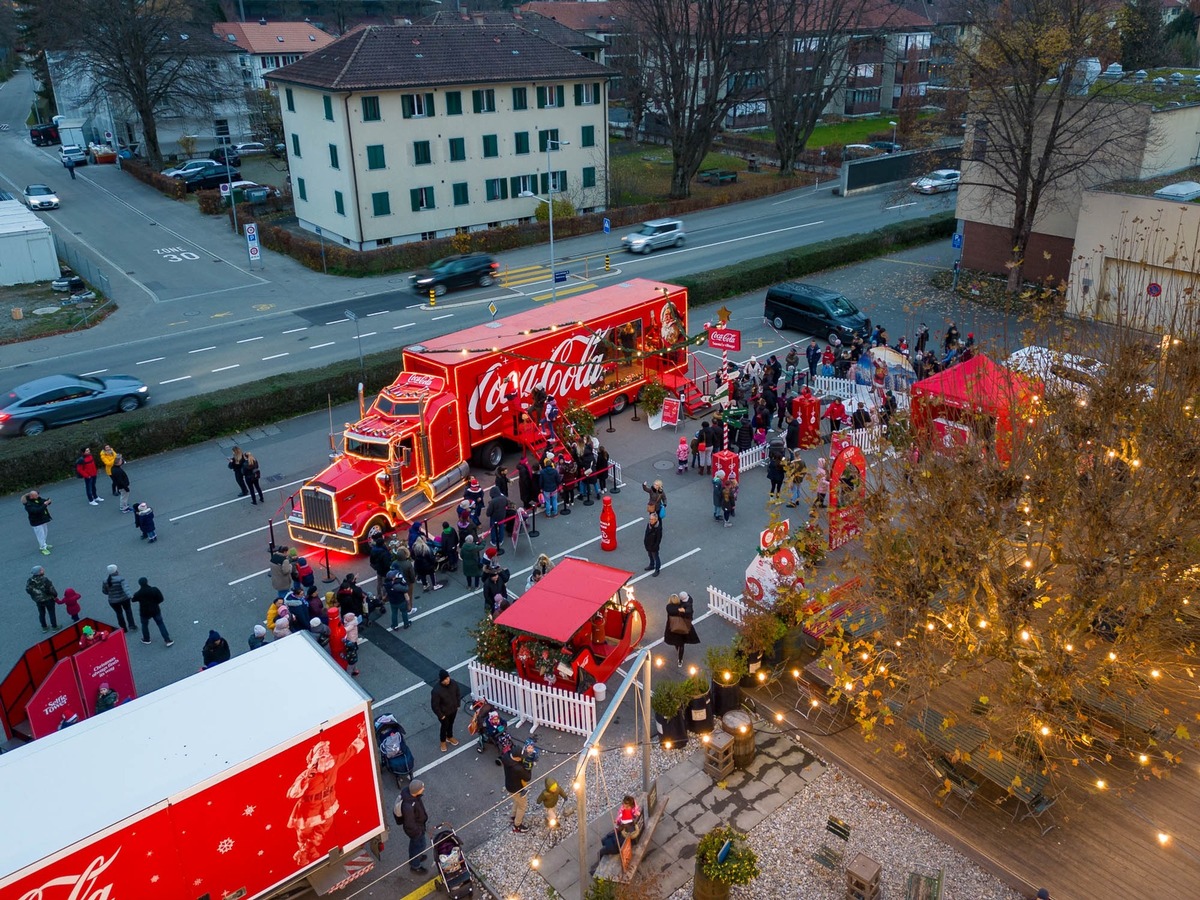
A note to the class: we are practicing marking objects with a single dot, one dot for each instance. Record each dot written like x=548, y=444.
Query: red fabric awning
x=566, y=598
x=979, y=383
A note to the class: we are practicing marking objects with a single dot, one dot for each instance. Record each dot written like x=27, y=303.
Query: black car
x=814, y=310
x=213, y=176
x=227, y=155
x=459, y=271
x=44, y=135
x=33, y=407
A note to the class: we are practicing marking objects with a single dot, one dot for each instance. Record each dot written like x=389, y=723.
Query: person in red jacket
x=337, y=639
x=85, y=468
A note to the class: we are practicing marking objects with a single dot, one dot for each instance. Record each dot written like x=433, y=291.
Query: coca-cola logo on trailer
x=77, y=887
x=570, y=368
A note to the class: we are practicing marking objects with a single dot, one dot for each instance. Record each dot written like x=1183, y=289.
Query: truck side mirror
x=402, y=456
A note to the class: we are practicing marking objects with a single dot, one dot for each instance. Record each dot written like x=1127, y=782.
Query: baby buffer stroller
x=394, y=754
x=453, y=871
x=490, y=727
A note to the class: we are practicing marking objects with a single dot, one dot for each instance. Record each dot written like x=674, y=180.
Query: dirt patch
x=29, y=311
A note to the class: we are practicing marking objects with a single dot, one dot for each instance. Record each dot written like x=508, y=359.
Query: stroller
x=490, y=727
x=454, y=873
x=394, y=754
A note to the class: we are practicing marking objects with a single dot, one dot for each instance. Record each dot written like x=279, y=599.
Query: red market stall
x=577, y=625
x=977, y=400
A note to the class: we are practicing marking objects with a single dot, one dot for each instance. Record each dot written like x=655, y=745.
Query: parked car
x=227, y=155
x=1063, y=373
x=458, y=271
x=33, y=407
x=279, y=151
x=73, y=153
x=187, y=167
x=44, y=135
x=887, y=146
x=937, y=181
x=214, y=176
x=250, y=148
x=814, y=310
x=858, y=151
x=654, y=234
x=39, y=196
x=68, y=281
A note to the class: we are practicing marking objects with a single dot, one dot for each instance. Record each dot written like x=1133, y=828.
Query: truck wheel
x=491, y=455
x=619, y=403
x=364, y=546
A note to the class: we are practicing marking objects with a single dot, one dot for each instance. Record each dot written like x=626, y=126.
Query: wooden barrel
x=739, y=724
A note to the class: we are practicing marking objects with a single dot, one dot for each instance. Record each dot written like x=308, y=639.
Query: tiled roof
x=602, y=17
x=550, y=29
x=257, y=37
x=380, y=57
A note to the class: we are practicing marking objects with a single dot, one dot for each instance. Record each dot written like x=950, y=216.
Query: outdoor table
x=1004, y=773
x=821, y=674
x=1137, y=714
x=961, y=738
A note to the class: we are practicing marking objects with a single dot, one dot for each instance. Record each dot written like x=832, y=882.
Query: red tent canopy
x=981, y=384
x=566, y=598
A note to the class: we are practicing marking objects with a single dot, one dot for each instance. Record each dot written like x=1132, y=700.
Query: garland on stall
x=695, y=340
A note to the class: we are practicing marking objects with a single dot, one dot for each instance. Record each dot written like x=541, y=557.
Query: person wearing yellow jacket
x=108, y=456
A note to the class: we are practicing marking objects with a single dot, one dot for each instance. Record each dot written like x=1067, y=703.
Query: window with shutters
x=521, y=142
x=553, y=182
x=588, y=137
x=454, y=103
x=375, y=157
x=550, y=96
x=301, y=189
x=381, y=204
x=461, y=197
x=587, y=94
x=421, y=154
x=497, y=189
x=370, y=109
x=458, y=149
x=339, y=203
x=328, y=101
x=295, y=145
x=491, y=146
x=483, y=100
x=422, y=198
x=548, y=139
x=291, y=100
x=333, y=156
x=523, y=184
x=416, y=106
x=589, y=176
x=520, y=98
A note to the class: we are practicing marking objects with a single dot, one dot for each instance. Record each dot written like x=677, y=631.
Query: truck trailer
x=465, y=397
x=248, y=780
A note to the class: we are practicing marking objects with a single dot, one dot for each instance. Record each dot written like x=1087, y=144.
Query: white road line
x=418, y=686
x=97, y=372
x=144, y=361
x=437, y=318
x=203, y=509
x=381, y=312
x=414, y=306
x=337, y=321
x=276, y=356
x=227, y=368
x=900, y=206
x=248, y=577
x=398, y=327
x=173, y=380
x=250, y=340
x=202, y=349
x=236, y=537
x=359, y=337
x=319, y=346
x=294, y=330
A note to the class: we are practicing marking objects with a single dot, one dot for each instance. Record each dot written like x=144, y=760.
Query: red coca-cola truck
x=247, y=780
x=462, y=398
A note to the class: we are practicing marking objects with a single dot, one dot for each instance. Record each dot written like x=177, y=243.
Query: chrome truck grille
x=317, y=508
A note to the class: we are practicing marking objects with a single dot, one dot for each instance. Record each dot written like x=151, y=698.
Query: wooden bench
x=832, y=853
x=924, y=887
x=611, y=867
x=717, y=176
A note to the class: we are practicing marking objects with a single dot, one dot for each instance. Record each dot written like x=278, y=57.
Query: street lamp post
x=893, y=124
x=362, y=370
x=549, y=201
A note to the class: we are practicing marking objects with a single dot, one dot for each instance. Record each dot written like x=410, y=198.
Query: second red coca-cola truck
x=460, y=399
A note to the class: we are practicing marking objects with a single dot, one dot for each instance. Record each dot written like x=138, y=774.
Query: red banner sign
x=105, y=662
x=725, y=339
x=847, y=491
x=56, y=701
x=670, y=412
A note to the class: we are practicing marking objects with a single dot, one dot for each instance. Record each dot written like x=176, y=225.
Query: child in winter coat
x=682, y=455
x=143, y=519
x=350, y=648
x=70, y=599
x=280, y=624
x=822, y=483
x=718, y=491
x=305, y=573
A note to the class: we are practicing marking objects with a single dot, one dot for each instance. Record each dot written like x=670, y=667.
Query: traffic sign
x=491, y=307
x=560, y=277
x=254, y=252
x=252, y=230
x=1154, y=289
x=224, y=186
x=956, y=240
x=607, y=226
x=252, y=247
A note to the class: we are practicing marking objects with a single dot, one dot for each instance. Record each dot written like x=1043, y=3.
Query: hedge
x=171, y=187
x=26, y=463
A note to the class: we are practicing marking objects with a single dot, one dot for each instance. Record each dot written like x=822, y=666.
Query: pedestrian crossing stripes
x=3, y=126
x=563, y=292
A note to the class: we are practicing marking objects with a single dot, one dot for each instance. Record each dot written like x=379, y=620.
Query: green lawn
x=645, y=176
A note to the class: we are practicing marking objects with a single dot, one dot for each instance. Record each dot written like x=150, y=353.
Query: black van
x=44, y=135
x=814, y=310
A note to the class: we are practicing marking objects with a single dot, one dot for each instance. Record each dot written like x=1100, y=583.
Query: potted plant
x=651, y=397
x=581, y=419
x=668, y=702
x=493, y=645
x=699, y=715
x=723, y=859
x=726, y=668
x=759, y=637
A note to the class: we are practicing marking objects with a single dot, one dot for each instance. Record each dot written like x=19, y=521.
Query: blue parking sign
x=607, y=226
x=956, y=241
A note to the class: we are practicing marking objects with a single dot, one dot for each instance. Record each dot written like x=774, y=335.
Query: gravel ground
x=784, y=841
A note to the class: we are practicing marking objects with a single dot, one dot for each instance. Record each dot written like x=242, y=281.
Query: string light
x=1070, y=648
x=1112, y=657
x=1101, y=783
x=534, y=863
x=1143, y=759
x=593, y=752
x=1164, y=838
x=1024, y=635
x=629, y=750
x=1154, y=673
x=692, y=671
x=1045, y=731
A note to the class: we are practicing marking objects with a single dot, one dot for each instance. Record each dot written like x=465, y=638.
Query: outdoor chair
x=832, y=852
x=770, y=681
x=812, y=705
x=1039, y=807
x=960, y=786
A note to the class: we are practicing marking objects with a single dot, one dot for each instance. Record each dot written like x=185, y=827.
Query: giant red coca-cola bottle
x=608, y=525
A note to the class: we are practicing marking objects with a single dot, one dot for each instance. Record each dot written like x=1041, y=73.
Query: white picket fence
x=846, y=390
x=869, y=440
x=728, y=607
x=537, y=704
x=755, y=456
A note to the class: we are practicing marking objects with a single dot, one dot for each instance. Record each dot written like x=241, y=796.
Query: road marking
x=294, y=330
x=236, y=537
x=97, y=372
x=203, y=509
x=337, y=321
x=144, y=361
x=276, y=356
x=427, y=888
x=900, y=206
x=359, y=337
x=173, y=380
x=561, y=292
x=380, y=313
x=414, y=306
x=202, y=349
x=248, y=577
x=437, y=318
x=250, y=340
x=319, y=346
x=398, y=327
x=227, y=368
x=421, y=684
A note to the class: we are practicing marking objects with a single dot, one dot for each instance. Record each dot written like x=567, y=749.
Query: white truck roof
x=164, y=743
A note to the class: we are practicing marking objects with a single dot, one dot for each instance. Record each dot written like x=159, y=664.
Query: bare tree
x=691, y=56
x=1037, y=131
x=806, y=67
x=149, y=55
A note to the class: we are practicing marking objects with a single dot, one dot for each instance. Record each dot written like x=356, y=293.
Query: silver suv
x=654, y=234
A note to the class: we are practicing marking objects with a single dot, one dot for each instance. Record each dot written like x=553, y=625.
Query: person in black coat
x=775, y=472
x=410, y=814
x=444, y=701
x=215, y=650
x=525, y=483
x=652, y=541
x=679, y=630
